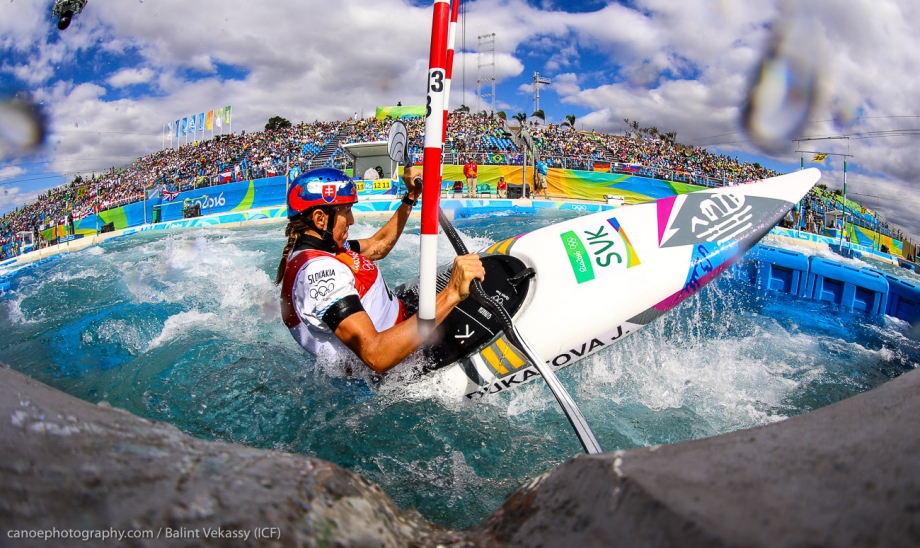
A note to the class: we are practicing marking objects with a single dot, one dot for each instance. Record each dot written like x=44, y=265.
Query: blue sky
x=124, y=68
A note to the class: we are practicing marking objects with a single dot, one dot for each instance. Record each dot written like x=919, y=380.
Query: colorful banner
x=184, y=126
x=177, y=128
x=399, y=112
x=497, y=158
x=595, y=186
x=191, y=124
x=219, y=117
x=602, y=167
x=232, y=197
x=209, y=120
x=169, y=127
x=201, y=122
x=869, y=238
x=227, y=115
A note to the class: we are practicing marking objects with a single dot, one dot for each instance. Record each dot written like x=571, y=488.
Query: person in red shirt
x=469, y=171
x=502, y=187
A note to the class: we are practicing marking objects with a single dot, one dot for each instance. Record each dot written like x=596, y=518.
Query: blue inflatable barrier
x=4, y=287
x=903, y=299
x=779, y=269
x=846, y=250
x=853, y=288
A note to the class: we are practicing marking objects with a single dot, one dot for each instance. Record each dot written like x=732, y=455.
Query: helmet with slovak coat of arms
x=320, y=187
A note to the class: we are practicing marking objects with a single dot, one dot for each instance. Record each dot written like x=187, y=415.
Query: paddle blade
x=398, y=142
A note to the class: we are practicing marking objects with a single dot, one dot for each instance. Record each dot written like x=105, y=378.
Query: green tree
x=501, y=114
x=462, y=108
x=277, y=122
x=539, y=114
x=569, y=121
x=521, y=119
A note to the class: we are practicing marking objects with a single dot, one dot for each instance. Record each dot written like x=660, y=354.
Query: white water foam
x=181, y=324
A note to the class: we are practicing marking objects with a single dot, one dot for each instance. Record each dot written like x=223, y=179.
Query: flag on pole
x=191, y=124
x=227, y=115
x=177, y=128
x=169, y=127
x=169, y=195
x=209, y=120
x=184, y=126
x=819, y=157
x=201, y=122
x=220, y=115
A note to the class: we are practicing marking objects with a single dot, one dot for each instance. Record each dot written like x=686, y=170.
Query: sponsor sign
x=598, y=251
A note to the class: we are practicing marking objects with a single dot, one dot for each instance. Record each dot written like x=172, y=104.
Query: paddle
x=398, y=143
x=398, y=150
x=569, y=407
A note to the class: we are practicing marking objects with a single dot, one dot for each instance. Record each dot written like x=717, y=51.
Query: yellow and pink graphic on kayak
x=600, y=251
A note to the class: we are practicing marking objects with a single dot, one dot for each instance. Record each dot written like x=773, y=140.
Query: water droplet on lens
x=785, y=88
x=22, y=126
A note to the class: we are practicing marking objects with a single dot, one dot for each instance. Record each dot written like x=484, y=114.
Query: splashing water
x=185, y=327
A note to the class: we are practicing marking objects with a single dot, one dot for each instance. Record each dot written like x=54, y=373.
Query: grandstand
x=488, y=140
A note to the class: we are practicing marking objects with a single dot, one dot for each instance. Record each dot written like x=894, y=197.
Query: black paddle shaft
x=569, y=407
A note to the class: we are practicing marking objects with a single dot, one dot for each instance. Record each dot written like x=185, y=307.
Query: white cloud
x=9, y=172
x=682, y=66
x=129, y=77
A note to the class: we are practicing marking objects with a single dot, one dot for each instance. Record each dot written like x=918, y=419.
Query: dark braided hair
x=293, y=231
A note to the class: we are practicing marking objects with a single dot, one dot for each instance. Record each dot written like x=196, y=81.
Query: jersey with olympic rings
x=316, y=281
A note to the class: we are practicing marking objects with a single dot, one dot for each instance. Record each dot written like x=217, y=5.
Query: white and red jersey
x=321, y=288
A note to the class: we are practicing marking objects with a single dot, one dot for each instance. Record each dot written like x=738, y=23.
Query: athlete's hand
x=466, y=269
x=412, y=177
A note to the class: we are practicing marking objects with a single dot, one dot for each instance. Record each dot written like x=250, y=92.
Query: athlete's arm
x=380, y=244
x=381, y=350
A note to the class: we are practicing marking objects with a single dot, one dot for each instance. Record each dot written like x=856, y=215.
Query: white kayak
x=576, y=287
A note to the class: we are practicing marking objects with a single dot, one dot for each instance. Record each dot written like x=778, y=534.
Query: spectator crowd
x=481, y=138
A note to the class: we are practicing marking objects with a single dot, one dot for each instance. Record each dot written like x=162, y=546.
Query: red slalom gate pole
x=451, y=39
x=435, y=119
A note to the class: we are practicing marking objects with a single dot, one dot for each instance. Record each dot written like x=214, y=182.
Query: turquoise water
x=184, y=327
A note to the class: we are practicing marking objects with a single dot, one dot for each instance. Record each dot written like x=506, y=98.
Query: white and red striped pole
x=451, y=39
x=435, y=118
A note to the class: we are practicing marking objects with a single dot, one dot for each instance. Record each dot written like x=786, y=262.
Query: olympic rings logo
x=321, y=290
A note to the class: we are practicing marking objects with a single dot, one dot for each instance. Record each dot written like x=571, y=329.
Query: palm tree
x=569, y=121
x=501, y=114
x=462, y=108
x=539, y=114
x=521, y=118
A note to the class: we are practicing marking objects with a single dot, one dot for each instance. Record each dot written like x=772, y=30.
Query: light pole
x=845, y=156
